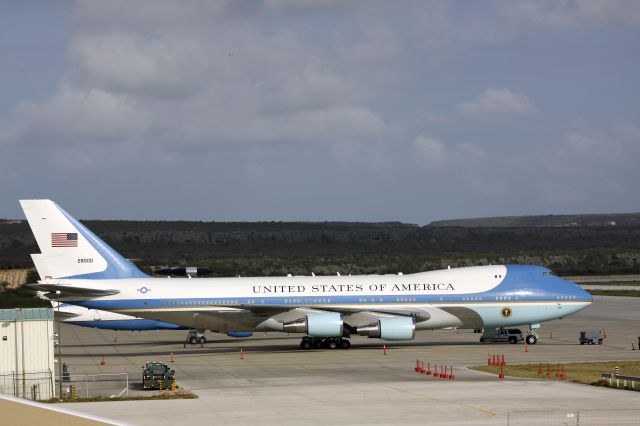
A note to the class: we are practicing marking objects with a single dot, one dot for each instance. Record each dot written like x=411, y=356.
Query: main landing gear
x=195, y=337
x=309, y=342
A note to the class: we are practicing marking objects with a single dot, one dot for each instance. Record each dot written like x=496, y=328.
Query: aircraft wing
x=418, y=314
x=353, y=316
x=270, y=310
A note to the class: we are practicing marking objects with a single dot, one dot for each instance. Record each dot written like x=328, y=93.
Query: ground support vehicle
x=157, y=375
x=591, y=337
x=502, y=335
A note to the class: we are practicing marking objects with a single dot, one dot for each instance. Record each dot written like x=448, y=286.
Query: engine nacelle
x=395, y=328
x=239, y=334
x=327, y=324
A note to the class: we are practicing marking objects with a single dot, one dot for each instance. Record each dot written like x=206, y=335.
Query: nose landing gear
x=532, y=336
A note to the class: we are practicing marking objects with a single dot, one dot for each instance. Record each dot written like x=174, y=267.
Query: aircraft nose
x=579, y=292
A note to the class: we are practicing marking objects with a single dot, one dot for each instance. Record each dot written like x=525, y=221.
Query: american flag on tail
x=64, y=239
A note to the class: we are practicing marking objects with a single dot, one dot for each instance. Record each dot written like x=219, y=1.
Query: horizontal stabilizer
x=63, y=315
x=65, y=291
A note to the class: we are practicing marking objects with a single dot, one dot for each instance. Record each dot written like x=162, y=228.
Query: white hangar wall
x=27, y=353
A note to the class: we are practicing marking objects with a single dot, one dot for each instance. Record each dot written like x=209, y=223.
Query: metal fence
x=34, y=385
x=95, y=385
x=621, y=380
x=587, y=417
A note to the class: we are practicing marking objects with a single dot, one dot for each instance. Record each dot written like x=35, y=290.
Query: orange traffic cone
x=171, y=358
x=102, y=361
x=241, y=354
x=385, y=350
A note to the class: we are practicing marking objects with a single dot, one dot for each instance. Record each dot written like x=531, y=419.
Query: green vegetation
x=584, y=372
x=624, y=293
x=615, y=283
x=299, y=248
x=20, y=297
x=558, y=221
x=178, y=394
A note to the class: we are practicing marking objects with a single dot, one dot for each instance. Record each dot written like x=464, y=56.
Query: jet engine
x=328, y=324
x=394, y=328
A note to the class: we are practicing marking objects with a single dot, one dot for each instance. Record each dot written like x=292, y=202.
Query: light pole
x=59, y=353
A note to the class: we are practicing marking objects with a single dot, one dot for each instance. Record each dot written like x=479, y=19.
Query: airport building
x=27, y=353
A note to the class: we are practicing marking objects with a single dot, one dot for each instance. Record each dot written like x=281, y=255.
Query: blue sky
x=320, y=110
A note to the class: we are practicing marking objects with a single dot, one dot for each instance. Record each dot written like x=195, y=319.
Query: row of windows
x=204, y=302
x=328, y=300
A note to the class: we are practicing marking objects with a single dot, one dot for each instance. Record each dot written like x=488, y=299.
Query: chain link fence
x=34, y=385
x=95, y=385
x=586, y=417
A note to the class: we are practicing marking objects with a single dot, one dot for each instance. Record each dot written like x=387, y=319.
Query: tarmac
x=278, y=383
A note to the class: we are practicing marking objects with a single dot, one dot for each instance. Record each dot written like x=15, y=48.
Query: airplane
x=78, y=268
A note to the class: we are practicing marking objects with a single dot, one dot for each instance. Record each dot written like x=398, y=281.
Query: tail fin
x=69, y=249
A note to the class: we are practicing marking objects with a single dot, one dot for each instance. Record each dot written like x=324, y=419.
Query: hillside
x=278, y=248
x=558, y=221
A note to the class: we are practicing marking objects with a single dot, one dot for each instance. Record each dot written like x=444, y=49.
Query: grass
x=177, y=394
x=611, y=283
x=588, y=373
x=626, y=293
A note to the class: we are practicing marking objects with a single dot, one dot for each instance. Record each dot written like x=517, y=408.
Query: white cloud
x=129, y=63
x=71, y=114
x=554, y=14
x=496, y=103
x=464, y=165
x=588, y=165
x=432, y=153
x=198, y=89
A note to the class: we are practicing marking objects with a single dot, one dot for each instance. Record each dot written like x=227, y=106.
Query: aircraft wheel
x=345, y=344
x=202, y=340
x=193, y=340
x=531, y=339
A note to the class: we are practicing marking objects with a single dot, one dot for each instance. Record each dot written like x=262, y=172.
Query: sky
x=320, y=110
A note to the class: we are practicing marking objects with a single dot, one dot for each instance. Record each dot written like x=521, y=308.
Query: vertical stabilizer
x=69, y=249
